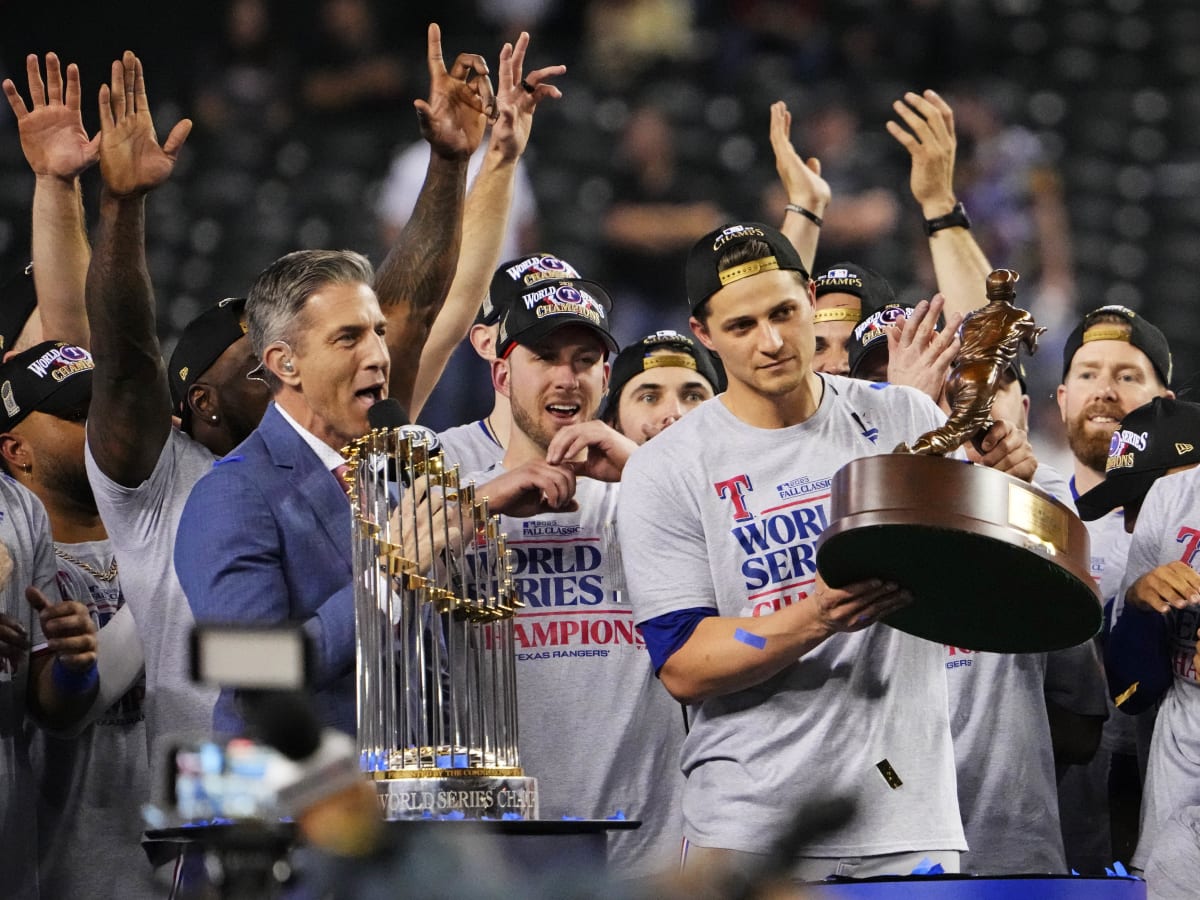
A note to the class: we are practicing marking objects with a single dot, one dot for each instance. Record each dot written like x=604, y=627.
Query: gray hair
x=275, y=304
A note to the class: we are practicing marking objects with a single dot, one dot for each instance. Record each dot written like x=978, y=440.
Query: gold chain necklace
x=108, y=575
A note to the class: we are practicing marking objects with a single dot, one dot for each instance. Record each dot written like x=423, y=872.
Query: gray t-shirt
x=1168, y=529
x=1003, y=751
x=716, y=513
x=141, y=523
x=25, y=532
x=596, y=730
x=471, y=447
x=91, y=787
x=1173, y=866
x=1083, y=789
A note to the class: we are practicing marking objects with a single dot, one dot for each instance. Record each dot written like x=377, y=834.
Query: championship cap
x=51, y=377
x=18, y=300
x=1150, y=441
x=703, y=276
x=550, y=305
x=1141, y=334
x=870, y=335
x=517, y=276
x=663, y=349
x=872, y=290
x=203, y=340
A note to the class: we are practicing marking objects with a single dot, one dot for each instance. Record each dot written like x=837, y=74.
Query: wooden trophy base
x=993, y=563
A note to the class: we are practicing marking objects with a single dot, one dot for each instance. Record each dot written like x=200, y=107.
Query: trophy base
x=458, y=795
x=993, y=563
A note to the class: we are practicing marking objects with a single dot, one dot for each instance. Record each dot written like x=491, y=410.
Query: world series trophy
x=993, y=563
x=434, y=604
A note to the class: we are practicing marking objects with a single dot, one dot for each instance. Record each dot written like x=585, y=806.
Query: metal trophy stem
x=434, y=604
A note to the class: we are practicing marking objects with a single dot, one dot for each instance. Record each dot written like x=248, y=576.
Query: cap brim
x=71, y=393
x=1113, y=493
x=553, y=323
x=869, y=353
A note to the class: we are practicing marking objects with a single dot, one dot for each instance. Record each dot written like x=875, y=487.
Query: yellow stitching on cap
x=837, y=314
x=674, y=360
x=745, y=270
x=1107, y=332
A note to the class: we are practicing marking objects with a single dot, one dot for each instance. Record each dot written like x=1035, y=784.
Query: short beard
x=529, y=424
x=69, y=481
x=1089, y=448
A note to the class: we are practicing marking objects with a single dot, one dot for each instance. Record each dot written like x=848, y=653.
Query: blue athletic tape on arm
x=758, y=643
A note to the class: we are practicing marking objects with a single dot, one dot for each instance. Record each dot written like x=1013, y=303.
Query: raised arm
x=487, y=210
x=807, y=192
x=130, y=415
x=958, y=261
x=413, y=280
x=57, y=149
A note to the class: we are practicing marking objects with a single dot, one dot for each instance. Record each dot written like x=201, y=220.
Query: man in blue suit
x=265, y=535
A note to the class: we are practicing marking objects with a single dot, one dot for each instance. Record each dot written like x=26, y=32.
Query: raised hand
x=918, y=354
x=518, y=96
x=52, y=135
x=801, y=179
x=131, y=160
x=460, y=101
x=931, y=142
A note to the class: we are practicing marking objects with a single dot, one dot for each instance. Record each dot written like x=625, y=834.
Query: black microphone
x=387, y=414
x=285, y=721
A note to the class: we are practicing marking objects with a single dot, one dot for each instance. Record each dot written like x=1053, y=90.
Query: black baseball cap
x=658, y=350
x=870, y=335
x=1142, y=335
x=1152, y=439
x=517, y=276
x=203, y=340
x=18, y=300
x=50, y=377
x=550, y=305
x=703, y=276
x=872, y=290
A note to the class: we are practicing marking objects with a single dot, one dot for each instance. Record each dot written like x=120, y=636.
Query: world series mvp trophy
x=434, y=604
x=992, y=562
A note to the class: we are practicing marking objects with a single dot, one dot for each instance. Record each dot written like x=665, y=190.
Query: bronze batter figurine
x=991, y=337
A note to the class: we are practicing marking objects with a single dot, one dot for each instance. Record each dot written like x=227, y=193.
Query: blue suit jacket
x=266, y=538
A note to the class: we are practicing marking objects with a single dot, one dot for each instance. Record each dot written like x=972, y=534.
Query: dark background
x=1103, y=93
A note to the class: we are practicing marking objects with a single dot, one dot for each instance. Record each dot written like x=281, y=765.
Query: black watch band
x=956, y=218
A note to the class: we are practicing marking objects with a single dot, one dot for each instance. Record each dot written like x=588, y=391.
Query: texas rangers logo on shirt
x=735, y=489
